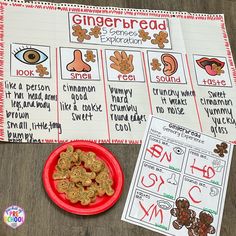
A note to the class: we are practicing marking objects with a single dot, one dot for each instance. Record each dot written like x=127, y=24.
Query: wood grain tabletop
x=21, y=165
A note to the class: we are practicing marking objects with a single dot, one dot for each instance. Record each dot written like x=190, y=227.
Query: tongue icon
x=210, y=71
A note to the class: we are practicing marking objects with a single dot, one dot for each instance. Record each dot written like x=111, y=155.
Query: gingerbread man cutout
x=155, y=64
x=185, y=216
x=221, y=149
x=144, y=35
x=202, y=226
x=90, y=56
x=160, y=39
x=80, y=33
x=96, y=31
x=41, y=70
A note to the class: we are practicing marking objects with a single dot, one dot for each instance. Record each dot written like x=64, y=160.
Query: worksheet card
x=179, y=182
x=72, y=72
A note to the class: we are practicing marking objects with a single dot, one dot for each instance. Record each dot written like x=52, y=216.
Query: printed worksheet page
x=179, y=182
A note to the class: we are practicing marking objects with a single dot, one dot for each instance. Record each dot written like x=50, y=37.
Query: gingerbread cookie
x=221, y=149
x=90, y=56
x=144, y=35
x=70, y=155
x=63, y=186
x=73, y=194
x=81, y=176
x=104, y=183
x=41, y=70
x=155, y=64
x=80, y=33
x=64, y=163
x=160, y=39
x=218, y=70
x=103, y=175
x=106, y=187
x=202, y=226
x=94, y=165
x=60, y=174
x=185, y=216
x=96, y=31
x=86, y=197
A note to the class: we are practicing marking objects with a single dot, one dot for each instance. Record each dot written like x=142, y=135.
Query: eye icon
x=31, y=56
x=178, y=150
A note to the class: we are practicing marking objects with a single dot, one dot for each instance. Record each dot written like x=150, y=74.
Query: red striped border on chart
x=1, y=71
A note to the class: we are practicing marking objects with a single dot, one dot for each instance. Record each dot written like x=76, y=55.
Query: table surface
x=21, y=165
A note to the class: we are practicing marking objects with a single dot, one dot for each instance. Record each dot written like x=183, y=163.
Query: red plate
x=102, y=203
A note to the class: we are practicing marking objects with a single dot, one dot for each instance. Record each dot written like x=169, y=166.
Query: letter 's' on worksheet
x=72, y=72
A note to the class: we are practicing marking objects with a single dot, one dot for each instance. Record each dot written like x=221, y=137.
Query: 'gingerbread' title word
x=126, y=23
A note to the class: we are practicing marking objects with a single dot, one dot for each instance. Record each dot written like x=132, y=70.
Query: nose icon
x=172, y=180
x=78, y=64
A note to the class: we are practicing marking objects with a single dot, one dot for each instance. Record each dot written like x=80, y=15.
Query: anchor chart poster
x=72, y=72
x=179, y=182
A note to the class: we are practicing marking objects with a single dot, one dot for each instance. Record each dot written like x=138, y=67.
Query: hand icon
x=122, y=62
